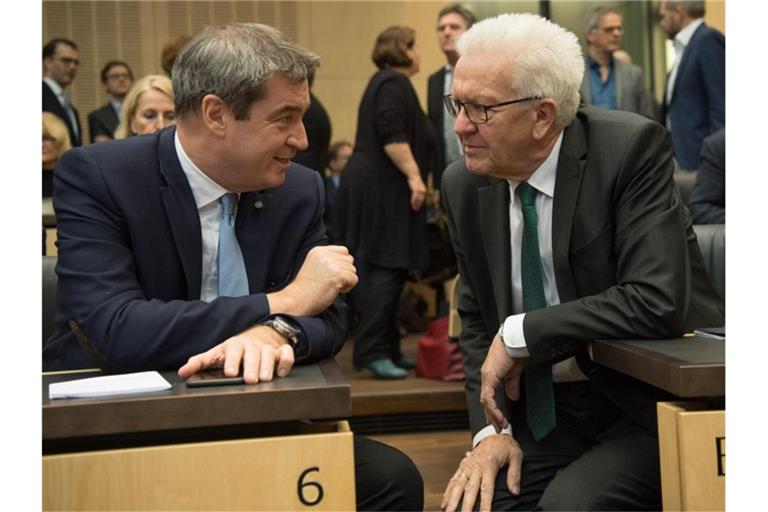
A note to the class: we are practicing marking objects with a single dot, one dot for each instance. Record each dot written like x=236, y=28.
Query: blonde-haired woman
x=148, y=107
x=55, y=143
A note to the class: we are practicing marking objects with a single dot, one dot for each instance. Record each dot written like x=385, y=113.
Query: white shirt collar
x=204, y=189
x=684, y=36
x=55, y=87
x=543, y=178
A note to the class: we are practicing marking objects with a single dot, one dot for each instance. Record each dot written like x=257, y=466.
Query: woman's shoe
x=406, y=363
x=385, y=369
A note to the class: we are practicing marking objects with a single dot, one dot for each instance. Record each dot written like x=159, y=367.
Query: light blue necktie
x=233, y=280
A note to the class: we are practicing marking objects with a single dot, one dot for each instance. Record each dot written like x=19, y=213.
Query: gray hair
x=234, y=62
x=695, y=9
x=597, y=14
x=545, y=59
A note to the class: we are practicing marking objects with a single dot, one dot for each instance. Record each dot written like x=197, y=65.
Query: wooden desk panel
x=309, y=392
x=688, y=367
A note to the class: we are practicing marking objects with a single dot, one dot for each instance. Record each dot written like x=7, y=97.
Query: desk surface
x=317, y=391
x=689, y=367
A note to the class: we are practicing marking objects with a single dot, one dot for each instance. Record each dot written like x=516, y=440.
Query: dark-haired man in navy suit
x=60, y=62
x=146, y=224
x=694, y=97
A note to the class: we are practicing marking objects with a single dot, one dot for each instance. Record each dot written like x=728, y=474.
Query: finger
x=514, y=472
x=233, y=356
x=487, y=485
x=457, y=481
x=470, y=492
x=251, y=359
x=488, y=401
x=512, y=387
x=267, y=367
x=199, y=362
x=285, y=359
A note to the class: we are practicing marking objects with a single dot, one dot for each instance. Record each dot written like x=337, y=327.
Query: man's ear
x=546, y=111
x=215, y=114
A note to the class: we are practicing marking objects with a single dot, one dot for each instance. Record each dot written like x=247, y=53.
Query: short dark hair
x=112, y=64
x=390, y=46
x=333, y=151
x=50, y=47
x=469, y=16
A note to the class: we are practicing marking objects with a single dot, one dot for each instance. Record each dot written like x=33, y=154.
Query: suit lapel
x=181, y=212
x=494, y=227
x=570, y=169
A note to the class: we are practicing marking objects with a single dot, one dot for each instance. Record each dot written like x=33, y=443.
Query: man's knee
x=386, y=478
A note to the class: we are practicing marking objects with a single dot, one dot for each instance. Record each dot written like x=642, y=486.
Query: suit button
x=258, y=204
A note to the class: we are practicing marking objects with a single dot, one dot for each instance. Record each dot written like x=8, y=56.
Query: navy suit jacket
x=130, y=258
x=697, y=105
x=51, y=104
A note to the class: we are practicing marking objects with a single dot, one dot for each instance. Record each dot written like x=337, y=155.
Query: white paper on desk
x=141, y=382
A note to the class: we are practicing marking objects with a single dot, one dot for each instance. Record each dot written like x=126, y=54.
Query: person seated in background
x=148, y=107
x=557, y=215
x=55, y=143
x=338, y=156
x=117, y=77
x=202, y=245
x=707, y=203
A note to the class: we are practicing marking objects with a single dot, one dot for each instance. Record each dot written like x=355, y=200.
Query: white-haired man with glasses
x=567, y=228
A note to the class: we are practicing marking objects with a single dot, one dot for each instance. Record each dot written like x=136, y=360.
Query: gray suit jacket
x=631, y=94
x=627, y=264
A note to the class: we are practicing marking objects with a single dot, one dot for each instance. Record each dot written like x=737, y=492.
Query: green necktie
x=539, y=394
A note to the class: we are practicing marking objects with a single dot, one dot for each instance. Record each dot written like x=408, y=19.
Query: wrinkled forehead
x=480, y=75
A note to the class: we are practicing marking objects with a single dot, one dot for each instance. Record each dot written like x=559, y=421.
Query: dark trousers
x=378, y=335
x=595, y=459
x=385, y=478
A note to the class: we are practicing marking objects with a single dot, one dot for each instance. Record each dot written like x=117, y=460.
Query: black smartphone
x=213, y=377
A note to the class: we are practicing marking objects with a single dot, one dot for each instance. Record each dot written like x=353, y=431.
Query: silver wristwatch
x=285, y=328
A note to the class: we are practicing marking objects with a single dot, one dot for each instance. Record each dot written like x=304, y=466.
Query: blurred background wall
x=341, y=32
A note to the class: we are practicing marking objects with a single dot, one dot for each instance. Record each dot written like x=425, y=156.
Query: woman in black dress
x=381, y=215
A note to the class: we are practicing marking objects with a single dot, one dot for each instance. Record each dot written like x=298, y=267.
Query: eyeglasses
x=477, y=114
x=118, y=76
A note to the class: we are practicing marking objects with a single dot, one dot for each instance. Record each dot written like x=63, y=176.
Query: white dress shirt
x=680, y=42
x=206, y=193
x=543, y=180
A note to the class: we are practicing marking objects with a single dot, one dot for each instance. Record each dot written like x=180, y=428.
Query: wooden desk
x=239, y=447
x=689, y=367
x=313, y=392
x=691, y=433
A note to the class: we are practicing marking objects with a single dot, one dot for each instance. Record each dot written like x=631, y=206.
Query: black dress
x=373, y=203
x=374, y=218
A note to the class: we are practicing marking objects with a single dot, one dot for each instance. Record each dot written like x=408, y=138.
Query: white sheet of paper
x=141, y=382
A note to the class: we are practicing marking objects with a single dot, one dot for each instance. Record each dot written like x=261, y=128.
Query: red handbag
x=438, y=358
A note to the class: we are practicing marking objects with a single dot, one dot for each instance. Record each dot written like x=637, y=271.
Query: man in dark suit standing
x=567, y=228
x=60, y=61
x=203, y=245
x=117, y=77
x=694, y=97
x=609, y=82
x=452, y=21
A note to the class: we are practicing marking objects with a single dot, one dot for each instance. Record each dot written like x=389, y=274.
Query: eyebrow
x=286, y=109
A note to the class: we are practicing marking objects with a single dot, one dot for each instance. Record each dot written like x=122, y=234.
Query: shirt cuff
x=488, y=430
x=511, y=332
